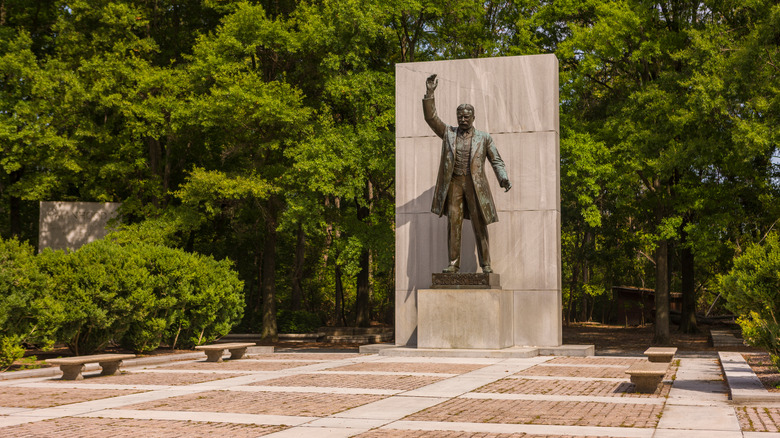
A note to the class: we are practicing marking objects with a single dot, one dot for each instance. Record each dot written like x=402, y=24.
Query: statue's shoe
x=487, y=270
x=450, y=270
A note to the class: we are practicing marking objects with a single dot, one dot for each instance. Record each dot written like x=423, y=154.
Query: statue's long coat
x=482, y=147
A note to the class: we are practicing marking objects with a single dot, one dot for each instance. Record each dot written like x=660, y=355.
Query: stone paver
x=116, y=428
x=593, y=388
x=405, y=382
x=401, y=367
x=394, y=433
x=542, y=412
x=238, y=365
x=575, y=371
x=22, y=397
x=722, y=418
x=266, y=403
x=143, y=378
x=595, y=360
x=322, y=395
x=308, y=356
x=758, y=419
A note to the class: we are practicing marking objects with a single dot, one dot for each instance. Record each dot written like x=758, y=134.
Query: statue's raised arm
x=429, y=107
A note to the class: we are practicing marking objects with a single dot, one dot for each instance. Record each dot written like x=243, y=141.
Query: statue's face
x=465, y=119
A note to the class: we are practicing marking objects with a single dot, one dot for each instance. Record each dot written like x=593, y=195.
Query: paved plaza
x=370, y=396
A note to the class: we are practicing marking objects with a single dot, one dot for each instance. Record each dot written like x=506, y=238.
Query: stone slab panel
x=70, y=225
x=537, y=318
x=744, y=385
x=525, y=249
x=406, y=317
x=464, y=318
x=711, y=418
x=509, y=94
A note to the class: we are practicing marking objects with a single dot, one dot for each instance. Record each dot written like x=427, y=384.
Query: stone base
x=110, y=368
x=511, y=352
x=464, y=318
x=568, y=350
x=465, y=281
x=537, y=318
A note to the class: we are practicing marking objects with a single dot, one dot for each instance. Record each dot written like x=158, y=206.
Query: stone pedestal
x=464, y=318
x=466, y=281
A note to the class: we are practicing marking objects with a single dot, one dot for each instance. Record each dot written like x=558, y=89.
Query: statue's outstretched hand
x=506, y=185
x=430, y=84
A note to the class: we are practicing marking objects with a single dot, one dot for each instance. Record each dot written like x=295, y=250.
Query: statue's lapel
x=476, y=140
x=451, y=134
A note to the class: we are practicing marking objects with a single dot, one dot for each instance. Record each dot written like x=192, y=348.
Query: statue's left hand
x=506, y=185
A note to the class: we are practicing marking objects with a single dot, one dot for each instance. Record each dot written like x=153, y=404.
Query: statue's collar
x=467, y=132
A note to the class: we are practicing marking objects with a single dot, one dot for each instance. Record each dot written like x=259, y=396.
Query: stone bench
x=647, y=375
x=660, y=354
x=214, y=352
x=72, y=367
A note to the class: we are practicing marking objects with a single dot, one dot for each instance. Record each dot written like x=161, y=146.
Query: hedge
x=137, y=295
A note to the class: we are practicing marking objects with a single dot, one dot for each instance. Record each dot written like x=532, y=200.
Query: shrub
x=28, y=313
x=138, y=295
x=210, y=304
x=103, y=287
x=752, y=291
x=196, y=299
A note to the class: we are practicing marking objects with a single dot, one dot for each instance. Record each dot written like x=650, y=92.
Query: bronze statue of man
x=461, y=186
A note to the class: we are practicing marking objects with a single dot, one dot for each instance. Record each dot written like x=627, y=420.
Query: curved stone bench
x=214, y=352
x=72, y=367
x=647, y=375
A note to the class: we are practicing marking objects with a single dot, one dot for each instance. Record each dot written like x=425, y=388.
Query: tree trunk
x=572, y=290
x=363, y=297
x=662, y=293
x=297, y=272
x=268, y=286
x=15, y=207
x=688, y=317
x=586, y=277
x=362, y=301
x=340, y=318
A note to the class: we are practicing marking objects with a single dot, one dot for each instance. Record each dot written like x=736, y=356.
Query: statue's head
x=465, y=114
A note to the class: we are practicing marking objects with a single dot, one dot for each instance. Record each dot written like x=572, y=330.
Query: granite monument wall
x=516, y=101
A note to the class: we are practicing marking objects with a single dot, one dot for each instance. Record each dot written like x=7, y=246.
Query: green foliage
x=751, y=291
x=211, y=302
x=28, y=312
x=10, y=351
x=140, y=295
x=101, y=286
x=298, y=321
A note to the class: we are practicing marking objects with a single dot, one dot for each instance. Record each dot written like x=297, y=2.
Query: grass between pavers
x=758, y=419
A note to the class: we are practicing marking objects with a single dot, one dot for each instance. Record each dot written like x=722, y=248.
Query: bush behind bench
x=138, y=295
